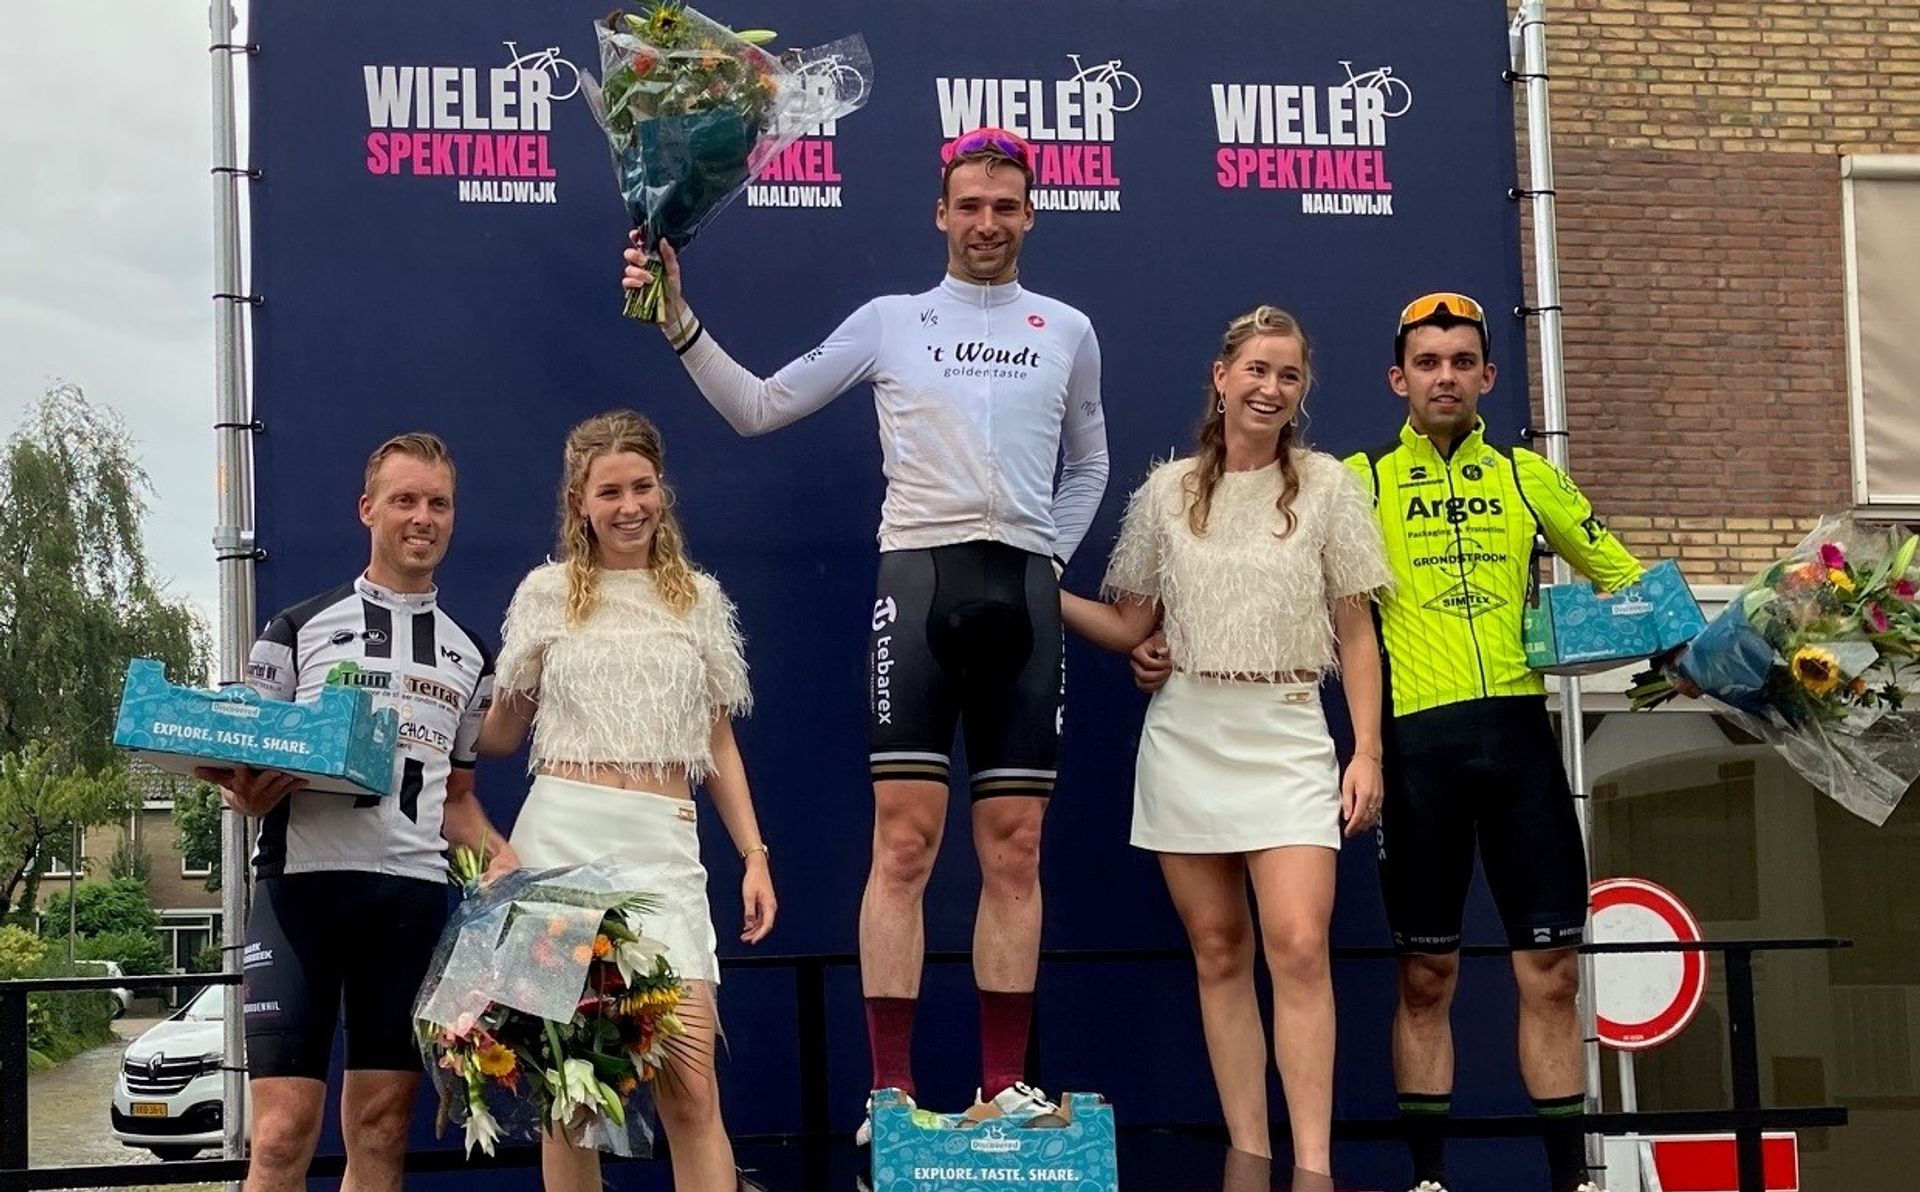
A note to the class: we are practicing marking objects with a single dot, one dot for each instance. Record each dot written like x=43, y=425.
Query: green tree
x=196, y=818
x=131, y=860
x=122, y=904
x=42, y=799
x=21, y=952
x=77, y=596
x=140, y=953
x=113, y=920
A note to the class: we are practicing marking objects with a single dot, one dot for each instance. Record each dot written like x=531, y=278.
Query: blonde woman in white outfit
x=625, y=663
x=1260, y=557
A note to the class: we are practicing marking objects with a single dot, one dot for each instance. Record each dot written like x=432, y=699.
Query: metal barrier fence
x=1746, y=1119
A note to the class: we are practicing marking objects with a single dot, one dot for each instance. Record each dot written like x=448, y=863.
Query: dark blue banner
x=437, y=237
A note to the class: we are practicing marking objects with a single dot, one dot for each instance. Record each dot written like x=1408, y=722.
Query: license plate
x=149, y=1109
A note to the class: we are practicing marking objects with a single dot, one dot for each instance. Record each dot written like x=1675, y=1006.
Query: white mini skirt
x=566, y=822
x=1227, y=766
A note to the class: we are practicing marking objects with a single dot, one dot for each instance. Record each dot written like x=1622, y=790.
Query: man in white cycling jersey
x=983, y=389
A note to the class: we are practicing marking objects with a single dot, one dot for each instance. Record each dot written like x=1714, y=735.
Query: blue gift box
x=1573, y=630
x=994, y=1156
x=338, y=742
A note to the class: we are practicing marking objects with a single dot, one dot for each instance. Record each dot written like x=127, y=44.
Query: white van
x=167, y=1096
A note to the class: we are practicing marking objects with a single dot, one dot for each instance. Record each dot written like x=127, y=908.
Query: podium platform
x=1149, y=1161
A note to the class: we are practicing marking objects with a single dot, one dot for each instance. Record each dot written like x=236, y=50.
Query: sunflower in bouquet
x=1819, y=657
x=565, y=1008
x=1818, y=637
x=1859, y=631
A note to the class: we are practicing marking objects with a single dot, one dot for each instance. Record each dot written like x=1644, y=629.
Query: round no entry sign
x=1643, y=999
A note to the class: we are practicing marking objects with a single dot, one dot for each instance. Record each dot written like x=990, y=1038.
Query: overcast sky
x=105, y=244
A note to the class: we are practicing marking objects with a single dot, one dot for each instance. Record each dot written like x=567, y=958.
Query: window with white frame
x=196, y=860
x=59, y=856
x=1880, y=196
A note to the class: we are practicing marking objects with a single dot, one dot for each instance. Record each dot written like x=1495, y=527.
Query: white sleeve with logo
x=463, y=754
x=754, y=406
x=1083, y=450
x=272, y=668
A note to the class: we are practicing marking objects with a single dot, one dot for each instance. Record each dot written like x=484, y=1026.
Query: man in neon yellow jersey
x=1472, y=753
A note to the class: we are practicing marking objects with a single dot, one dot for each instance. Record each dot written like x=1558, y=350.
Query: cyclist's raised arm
x=754, y=405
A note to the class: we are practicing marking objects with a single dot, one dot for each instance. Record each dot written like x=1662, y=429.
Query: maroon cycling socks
x=890, y=1037
x=1005, y=1019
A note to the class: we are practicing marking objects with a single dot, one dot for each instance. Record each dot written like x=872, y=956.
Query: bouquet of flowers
x=693, y=110
x=547, y=1007
x=1817, y=656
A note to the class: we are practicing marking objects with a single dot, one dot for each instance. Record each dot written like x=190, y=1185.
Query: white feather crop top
x=1242, y=600
x=636, y=684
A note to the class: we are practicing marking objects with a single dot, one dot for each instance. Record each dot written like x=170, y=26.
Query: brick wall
x=1711, y=549
x=1706, y=359
x=1739, y=75
x=1697, y=153
x=161, y=840
x=169, y=889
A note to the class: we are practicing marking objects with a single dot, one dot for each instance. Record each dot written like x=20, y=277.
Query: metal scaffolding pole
x=1528, y=40
x=233, y=533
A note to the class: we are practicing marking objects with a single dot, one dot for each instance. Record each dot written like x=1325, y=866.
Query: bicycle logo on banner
x=565, y=75
x=1396, y=97
x=837, y=76
x=1124, y=84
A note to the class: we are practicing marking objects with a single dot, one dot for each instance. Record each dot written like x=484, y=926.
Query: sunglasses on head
x=992, y=140
x=1444, y=303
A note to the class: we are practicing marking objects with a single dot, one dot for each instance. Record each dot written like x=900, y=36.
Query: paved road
x=67, y=1111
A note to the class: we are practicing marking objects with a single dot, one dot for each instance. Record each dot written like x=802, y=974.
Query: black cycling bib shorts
x=1485, y=772
x=967, y=634
x=323, y=943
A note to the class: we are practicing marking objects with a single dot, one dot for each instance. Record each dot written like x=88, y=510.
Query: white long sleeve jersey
x=981, y=392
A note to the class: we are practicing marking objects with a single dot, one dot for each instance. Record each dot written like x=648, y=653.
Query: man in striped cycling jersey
x=350, y=893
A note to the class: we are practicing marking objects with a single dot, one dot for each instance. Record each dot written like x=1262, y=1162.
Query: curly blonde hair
x=1210, y=454
x=612, y=433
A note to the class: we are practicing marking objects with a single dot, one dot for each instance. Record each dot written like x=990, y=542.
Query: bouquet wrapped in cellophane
x=694, y=110
x=547, y=1008
x=1819, y=656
